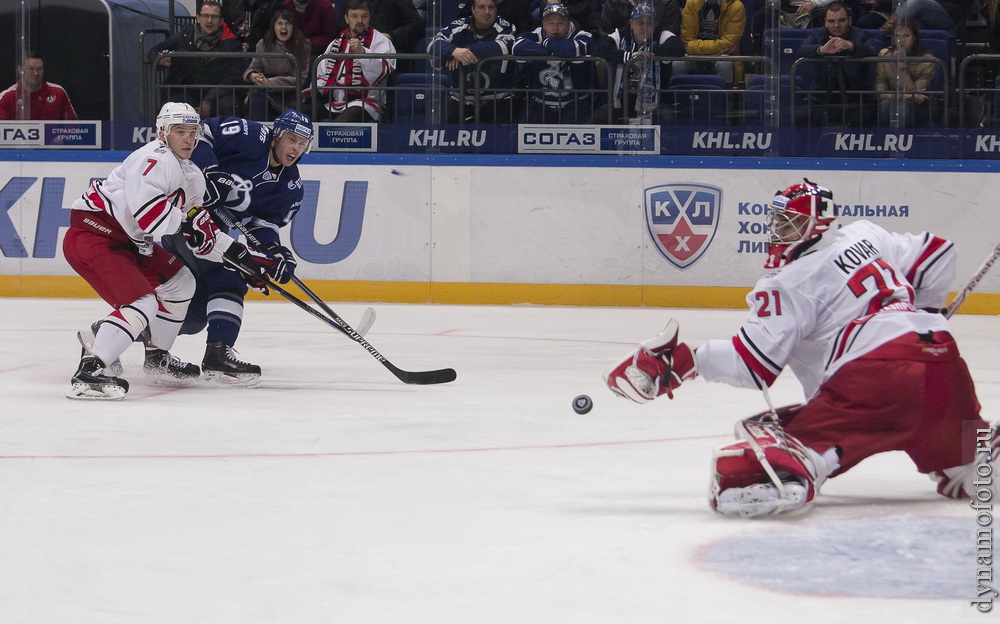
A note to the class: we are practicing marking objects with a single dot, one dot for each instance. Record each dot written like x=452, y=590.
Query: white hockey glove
x=657, y=367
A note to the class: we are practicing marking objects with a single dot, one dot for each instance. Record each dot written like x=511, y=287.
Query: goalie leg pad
x=767, y=472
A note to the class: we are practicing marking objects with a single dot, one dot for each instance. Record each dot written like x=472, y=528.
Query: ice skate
x=86, y=338
x=221, y=366
x=90, y=382
x=166, y=369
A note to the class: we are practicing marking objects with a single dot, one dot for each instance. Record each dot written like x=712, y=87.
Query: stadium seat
x=783, y=44
x=756, y=94
x=411, y=95
x=698, y=98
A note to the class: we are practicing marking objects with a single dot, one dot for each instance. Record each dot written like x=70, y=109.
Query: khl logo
x=682, y=220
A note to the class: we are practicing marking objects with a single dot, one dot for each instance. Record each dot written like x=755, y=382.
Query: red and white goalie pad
x=981, y=474
x=767, y=472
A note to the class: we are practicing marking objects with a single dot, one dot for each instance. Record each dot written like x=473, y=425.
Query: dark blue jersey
x=267, y=197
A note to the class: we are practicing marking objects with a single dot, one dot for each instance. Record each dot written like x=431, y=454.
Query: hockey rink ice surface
x=335, y=493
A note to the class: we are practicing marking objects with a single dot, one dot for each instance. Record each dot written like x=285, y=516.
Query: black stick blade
x=424, y=378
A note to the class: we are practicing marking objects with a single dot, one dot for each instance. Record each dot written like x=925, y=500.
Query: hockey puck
x=582, y=404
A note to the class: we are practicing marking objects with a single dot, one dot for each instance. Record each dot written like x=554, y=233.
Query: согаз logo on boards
x=682, y=220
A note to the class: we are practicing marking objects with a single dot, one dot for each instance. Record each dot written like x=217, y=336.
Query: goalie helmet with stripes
x=800, y=215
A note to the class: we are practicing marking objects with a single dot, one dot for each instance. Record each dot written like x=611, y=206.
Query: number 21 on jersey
x=768, y=302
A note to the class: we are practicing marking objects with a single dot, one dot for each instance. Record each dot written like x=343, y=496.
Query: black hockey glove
x=254, y=267
x=285, y=262
x=218, y=185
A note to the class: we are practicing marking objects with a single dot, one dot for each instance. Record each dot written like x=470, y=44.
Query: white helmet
x=174, y=113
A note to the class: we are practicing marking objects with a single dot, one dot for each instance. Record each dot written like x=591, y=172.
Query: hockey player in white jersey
x=855, y=314
x=111, y=244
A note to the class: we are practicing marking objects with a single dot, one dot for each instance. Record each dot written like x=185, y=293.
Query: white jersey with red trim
x=855, y=290
x=148, y=194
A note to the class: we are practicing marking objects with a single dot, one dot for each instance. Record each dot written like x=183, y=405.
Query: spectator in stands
x=208, y=75
x=459, y=46
x=902, y=85
x=615, y=14
x=268, y=73
x=45, y=100
x=926, y=15
x=516, y=12
x=398, y=20
x=351, y=87
x=874, y=14
x=317, y=19
x=628, y=51
x=831, y=104
x=563, y=89
x=711, y=28
x=236, y=14
x=585, y=13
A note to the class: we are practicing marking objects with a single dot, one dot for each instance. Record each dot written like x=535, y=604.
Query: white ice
x=335, y=493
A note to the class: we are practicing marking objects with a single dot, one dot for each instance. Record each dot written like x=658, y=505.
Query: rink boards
x=575, y=230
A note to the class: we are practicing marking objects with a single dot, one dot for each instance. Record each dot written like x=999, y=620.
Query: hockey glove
x=218, y=185
x=284, y=262
x=657, y=367
x=199, y=231
x=254, y=267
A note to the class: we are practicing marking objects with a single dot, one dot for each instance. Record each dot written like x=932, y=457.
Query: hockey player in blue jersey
x=251, y=171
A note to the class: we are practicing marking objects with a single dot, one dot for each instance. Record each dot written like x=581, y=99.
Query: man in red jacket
x=44, y=100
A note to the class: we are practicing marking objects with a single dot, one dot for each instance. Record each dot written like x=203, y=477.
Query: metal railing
x=856, y=106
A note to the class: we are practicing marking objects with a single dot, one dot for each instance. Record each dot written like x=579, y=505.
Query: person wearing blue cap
x=562, y=87
x=637, y=80
x=616, y=14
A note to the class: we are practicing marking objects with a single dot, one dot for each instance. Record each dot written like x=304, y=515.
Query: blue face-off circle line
x=930, y=558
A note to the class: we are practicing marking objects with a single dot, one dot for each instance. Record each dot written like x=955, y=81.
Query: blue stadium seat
x=876, y=38
x=412, y=93
x=785, y=43
x=755, y=98
x=698, y=98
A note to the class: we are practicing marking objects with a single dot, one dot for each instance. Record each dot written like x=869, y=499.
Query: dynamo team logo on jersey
x=682, y=220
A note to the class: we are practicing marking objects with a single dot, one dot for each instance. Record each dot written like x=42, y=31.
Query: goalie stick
x=443, y=375
x=229, y=220
x=973, y=282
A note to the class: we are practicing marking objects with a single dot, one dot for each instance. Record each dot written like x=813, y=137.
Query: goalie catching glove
x=657, y=367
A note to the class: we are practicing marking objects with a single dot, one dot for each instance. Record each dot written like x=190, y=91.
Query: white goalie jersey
x=148, y=194
x=855, y=290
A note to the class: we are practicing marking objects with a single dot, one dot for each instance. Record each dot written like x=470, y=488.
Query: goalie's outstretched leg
x=767, y=472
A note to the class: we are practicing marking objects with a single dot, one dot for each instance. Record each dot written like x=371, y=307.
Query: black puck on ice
x=582, y=404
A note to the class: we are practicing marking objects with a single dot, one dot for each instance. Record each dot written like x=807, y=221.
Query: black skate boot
x=86, y=338
x=166, y=369
x=220, y=365
x=91, y=383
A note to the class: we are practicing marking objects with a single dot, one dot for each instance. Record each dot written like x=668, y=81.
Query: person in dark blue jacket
x=836, y=41
x=459, y=47
x=562, y=87
x=252, y=176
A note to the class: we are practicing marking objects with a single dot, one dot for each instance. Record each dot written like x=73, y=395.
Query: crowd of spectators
x=591, y=61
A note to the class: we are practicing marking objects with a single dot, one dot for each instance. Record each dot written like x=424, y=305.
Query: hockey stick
x=973, y=282
x=229, y=220
x=443, y=375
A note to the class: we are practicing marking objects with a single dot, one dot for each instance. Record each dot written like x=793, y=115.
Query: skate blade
x=87, y=392
x=226, y=380
x=155, y=379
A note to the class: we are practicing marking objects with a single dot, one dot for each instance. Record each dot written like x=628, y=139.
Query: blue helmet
x=294, y=121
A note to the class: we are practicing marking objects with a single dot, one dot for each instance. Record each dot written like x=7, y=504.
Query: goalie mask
x=800, y=215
